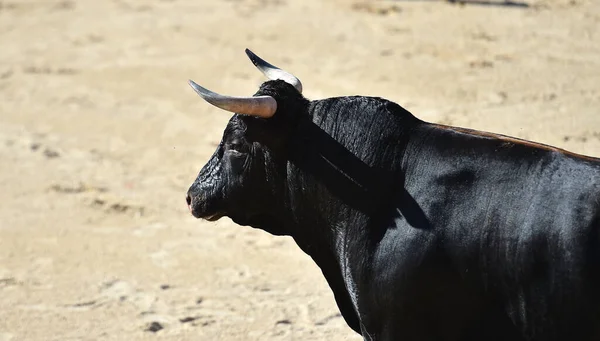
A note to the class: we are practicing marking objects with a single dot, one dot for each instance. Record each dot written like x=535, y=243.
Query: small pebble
x=154, y=327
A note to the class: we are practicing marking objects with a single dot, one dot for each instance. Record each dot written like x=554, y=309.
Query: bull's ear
x=261, y=106
x=273, y=72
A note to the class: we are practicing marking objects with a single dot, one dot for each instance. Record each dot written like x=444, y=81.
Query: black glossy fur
x=423, y=232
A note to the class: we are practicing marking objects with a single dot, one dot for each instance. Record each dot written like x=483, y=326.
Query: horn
x=261, y=106
x=273, y=72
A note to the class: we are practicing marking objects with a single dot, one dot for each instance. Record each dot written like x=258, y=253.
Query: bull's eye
x=236, y=146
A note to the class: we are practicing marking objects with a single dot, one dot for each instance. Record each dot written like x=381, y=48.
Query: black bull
x=422, y=231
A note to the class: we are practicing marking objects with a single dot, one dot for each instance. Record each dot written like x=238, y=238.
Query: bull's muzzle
x=194, y=203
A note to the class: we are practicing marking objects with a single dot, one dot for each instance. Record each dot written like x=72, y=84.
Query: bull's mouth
x=213, y=217
x=200, y=214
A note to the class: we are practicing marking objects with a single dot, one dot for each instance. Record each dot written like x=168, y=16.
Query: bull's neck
x=334, y=190
x=339, y=195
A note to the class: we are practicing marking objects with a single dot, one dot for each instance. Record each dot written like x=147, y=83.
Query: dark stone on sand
x=154, y=327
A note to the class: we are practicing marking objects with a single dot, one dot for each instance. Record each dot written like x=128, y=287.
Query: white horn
x=273, y=72
x=261, y=106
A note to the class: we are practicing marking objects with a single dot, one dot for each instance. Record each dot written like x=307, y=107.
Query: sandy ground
x=100, y=137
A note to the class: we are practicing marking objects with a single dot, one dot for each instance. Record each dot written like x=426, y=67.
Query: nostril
x=188, y=199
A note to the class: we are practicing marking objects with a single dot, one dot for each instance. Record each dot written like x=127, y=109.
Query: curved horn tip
x=273, y=72
x=257, y=61
x=199, y=89
x=250, y=53
x=193, y=84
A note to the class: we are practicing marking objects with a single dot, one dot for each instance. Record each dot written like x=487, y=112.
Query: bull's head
x=245, y=179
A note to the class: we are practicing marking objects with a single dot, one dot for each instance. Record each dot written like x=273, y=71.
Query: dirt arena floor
x=100, y=137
